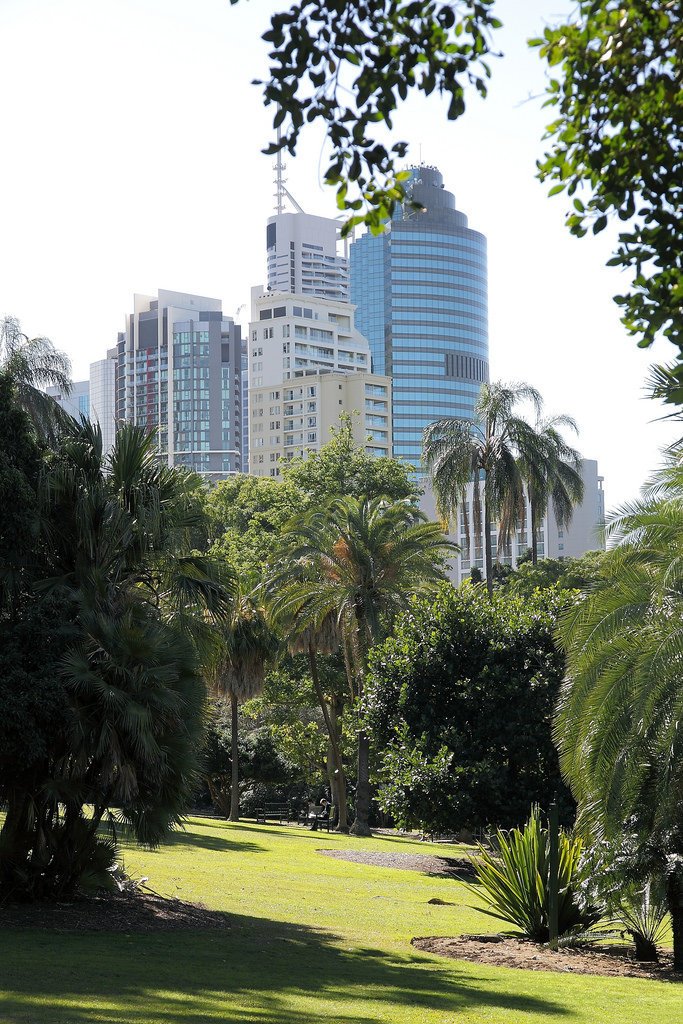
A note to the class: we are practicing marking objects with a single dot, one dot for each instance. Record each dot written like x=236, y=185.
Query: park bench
x=282, y=813
x=316, y=812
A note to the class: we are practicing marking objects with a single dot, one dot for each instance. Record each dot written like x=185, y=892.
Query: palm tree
x=305, y=636
x=246, y=646
x=552, y=476
x=134, y=697
x=32, y=364
x=363, y=560
x=487, y=451
x=619, y=723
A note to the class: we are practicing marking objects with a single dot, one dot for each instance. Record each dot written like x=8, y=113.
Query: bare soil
x=498, y=951
x=113, y=912
x=456, y=867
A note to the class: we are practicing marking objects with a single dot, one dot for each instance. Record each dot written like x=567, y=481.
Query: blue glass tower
x=421, y=293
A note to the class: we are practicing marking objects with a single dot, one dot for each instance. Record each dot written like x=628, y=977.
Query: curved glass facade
x=422, y=302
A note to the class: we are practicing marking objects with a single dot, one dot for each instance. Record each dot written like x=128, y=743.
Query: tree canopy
x=350, y=63
x=461, y=700
x=616, y=148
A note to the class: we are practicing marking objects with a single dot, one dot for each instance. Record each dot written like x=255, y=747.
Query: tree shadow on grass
x=201, y=838
x=253, y=971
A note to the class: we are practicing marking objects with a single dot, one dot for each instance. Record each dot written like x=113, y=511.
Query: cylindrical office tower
x=421, y=296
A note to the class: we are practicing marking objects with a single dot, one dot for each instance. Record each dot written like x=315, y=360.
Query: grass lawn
x=311, y=939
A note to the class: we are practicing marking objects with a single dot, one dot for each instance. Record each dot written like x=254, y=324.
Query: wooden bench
x=282, y=813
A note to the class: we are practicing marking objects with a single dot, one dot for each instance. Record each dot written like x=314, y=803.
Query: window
x=266, y=314
x=280, y=311
x=285, y=330
x=274, y=396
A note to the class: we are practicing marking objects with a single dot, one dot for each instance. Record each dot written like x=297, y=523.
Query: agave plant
x=514, y=881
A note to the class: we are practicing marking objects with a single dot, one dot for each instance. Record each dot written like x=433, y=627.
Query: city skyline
x=77, y=203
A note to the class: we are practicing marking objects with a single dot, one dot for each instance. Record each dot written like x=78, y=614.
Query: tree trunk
x=534, y=535
x=234, y=751
x=674, y=893
x=361, y=826
x=219, y=797
x=335, y=748
x=488, y=557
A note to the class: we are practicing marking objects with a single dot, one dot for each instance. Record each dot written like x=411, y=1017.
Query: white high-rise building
x=103, y=396
x=290, y=334
x=303, y=258
x=307, y=366
x=77, y=402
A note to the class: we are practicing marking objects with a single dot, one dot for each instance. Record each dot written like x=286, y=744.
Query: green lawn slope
x=310, y=939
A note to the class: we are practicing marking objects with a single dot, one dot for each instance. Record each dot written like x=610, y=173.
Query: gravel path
x=454, y=866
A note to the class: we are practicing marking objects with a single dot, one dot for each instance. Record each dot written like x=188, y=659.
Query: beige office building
x=296, y=417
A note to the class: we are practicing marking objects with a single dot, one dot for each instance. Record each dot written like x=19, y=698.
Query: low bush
x=514, y=881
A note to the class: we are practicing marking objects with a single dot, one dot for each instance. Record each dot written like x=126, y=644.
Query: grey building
x=179, y=373
x=421, y=299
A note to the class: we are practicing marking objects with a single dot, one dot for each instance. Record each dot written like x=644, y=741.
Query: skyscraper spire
x=279, y=167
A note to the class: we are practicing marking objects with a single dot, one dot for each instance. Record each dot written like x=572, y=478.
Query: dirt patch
x=117, y=912
x=456, y=867
x=608, y=961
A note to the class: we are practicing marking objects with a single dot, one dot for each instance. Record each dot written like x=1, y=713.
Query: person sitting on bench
x=322, y=816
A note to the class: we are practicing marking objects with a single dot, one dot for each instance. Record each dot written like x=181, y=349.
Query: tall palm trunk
x=234, y=753
x=361, y=826
x=534, y=533
x=337, y=763
x=488, y=555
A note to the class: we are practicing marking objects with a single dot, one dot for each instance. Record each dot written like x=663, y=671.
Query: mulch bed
x=456, y=867
x=115, y=912
x=498, y=951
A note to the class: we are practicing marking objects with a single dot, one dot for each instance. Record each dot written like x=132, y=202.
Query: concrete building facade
x=296, y=417
x=302, y=256
x=289, y=334
x=179, y=373
x=77, y=402
x=102, y=397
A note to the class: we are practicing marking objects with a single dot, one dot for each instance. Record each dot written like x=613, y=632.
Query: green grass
x=310, y=939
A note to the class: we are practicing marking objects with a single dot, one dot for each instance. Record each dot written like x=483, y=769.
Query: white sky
x=132, y=162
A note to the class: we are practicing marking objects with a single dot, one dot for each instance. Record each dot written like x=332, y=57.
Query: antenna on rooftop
x=280, y=182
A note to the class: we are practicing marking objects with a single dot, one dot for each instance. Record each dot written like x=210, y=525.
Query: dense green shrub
x=461, y=699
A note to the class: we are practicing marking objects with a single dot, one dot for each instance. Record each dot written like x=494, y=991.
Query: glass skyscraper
x=421, y=296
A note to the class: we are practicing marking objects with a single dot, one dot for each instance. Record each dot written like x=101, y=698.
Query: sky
x=132, y=162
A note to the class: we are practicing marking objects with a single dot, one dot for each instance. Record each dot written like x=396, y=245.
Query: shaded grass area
x=309, y=939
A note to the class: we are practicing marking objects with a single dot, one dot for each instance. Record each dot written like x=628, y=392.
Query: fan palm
x=552, y=476
x=362, y=561
x=33, y=364
x=486, y=452
x=620, y=717
x=246, y=645
x=112, y=534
